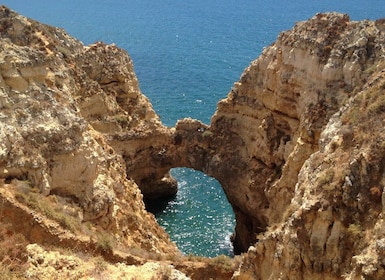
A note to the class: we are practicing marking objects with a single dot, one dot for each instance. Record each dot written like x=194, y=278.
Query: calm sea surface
x=187, y=54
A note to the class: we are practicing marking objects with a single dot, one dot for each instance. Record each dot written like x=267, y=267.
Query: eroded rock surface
x=61, y=104
x=312, y=111
x=298, y=148
x=272, y=120
x=274, y=115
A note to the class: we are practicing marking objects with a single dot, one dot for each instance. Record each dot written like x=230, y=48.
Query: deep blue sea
x=187, y=55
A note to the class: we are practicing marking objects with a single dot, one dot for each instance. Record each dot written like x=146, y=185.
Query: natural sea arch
x=199, y=219
x=216, y=152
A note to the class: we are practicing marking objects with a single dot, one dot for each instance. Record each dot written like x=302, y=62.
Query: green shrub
x=207, y=134
x=377, y=106
x=326, y=177
x=100, y=265
x=104, y=242
x=223, y=262
x=355, y=231
x=164, y=272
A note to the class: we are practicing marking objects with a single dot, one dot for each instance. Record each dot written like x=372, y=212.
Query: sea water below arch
x=199, y=219
x=187, y=55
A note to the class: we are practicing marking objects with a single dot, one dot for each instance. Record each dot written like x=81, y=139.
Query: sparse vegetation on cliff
x=50, y=208
x=13, y=253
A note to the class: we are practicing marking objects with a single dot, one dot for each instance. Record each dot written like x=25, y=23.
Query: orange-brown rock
x=272, y=120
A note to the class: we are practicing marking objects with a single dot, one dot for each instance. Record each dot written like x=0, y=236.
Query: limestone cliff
x=308, y=119
x=76, y=136
x=298, y=147
x=280, y=106
x=272, y=120
x=60, y=102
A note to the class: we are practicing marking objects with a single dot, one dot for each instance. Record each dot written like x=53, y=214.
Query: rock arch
x=204, y=148
x=271, y=121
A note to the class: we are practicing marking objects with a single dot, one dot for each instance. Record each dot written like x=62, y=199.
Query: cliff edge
x=76, y=140
x=62, y=183
x=308, y=116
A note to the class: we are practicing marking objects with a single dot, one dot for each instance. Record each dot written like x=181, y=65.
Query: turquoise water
x=199, y=219
x=187, y=54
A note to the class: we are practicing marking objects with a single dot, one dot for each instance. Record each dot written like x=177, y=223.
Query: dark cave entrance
x=199, y=219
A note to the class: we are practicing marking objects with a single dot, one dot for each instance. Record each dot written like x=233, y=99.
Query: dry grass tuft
x=13, y=253
x=104, y=242
x=49, y=208
x=164, y=272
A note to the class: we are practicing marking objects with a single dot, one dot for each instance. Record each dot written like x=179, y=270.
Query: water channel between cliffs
x=199, y=219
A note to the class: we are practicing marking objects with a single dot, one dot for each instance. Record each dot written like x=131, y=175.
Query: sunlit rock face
x=305, y=127
x=62, y=105
x=272, y=120
x=298, y=148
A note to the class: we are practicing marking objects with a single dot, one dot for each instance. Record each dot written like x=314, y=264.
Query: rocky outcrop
x=109, y=98
x=61, y=103
x=275, y=114
x=56, y=265
x=298, y=148
x=272, y=120
x=312, y=108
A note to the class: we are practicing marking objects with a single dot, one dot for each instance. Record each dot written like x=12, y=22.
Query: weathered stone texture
x=61, y=102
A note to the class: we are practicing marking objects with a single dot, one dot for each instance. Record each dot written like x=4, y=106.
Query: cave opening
x=199, y=219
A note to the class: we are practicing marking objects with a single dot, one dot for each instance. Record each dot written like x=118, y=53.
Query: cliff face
x=273, y=117
x=76, y=134
x=272, y=120
x=60, y=103
x=298, y=148
x=308, y=116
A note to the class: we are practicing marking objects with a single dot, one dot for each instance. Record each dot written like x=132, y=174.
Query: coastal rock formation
x=59, y=101
x=76, y=134
x=275, y=114
x=56, y=265
x=308, y=116
x=272, y=121
x=298, y=147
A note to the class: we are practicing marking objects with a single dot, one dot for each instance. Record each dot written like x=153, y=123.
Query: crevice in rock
x=104, y=84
